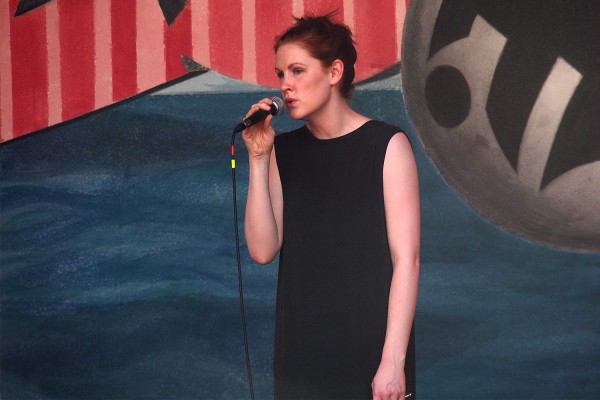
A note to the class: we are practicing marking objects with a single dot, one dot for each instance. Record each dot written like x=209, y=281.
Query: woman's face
x=304, y=82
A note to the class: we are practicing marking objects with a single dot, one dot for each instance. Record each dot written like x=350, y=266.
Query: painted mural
x=506, y=103
x=66, y=58
x=117, y=258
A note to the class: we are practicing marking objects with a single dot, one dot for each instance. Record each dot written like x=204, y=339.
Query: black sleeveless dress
x=335, y=266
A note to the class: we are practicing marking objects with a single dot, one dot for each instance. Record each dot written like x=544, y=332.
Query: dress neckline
x=338, y=138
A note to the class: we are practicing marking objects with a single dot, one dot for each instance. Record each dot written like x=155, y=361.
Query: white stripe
x=544, y=121
x=298, y=8
x=54, y=52
x=349, y=14
x=400, y=17
x=249, y=41
x=6, y=103
x=103, y=93
x=200, y=40
x=150, y=45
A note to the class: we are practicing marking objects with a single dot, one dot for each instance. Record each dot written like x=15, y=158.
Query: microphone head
x=277, y=107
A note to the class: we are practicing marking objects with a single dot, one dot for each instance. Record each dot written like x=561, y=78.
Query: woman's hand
x=389, y=382
x=259, y=137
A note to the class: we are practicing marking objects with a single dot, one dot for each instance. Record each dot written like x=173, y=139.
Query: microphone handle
x=258, y=116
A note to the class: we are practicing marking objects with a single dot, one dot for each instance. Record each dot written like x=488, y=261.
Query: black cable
x=239, y=266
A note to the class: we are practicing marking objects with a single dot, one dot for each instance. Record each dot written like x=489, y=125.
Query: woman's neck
x=338, y=121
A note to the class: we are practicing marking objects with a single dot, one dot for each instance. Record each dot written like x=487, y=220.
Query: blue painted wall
x=118, y=272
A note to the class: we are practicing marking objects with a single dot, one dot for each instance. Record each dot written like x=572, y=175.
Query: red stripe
x=270, y=22
x=320, y=7
x=124, y=57
x=6, y=106
x=29, y=55
x=225, y=37
x=77, y=71
x=178, y=40
x=374, y=28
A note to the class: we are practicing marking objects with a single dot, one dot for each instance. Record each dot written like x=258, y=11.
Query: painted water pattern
x=118, y=272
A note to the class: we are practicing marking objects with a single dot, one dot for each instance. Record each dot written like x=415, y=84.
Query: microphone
x=276, y=109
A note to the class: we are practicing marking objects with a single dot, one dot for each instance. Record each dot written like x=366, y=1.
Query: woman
x=339, y=198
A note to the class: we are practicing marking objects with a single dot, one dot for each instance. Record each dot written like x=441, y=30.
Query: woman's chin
x=296, y=115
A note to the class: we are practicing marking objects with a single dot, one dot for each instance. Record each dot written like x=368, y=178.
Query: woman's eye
x=279, y=74
x=298, y=71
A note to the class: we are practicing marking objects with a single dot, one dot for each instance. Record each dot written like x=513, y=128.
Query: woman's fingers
x=264, y=104
x=259, y=138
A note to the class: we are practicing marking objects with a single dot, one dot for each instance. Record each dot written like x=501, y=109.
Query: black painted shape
x=191, y=65
x=453, y=23
x=448, y=96
x=577, y=140
x=171, y=9
x=29, y=5
x=537, y=36
x=537, y=32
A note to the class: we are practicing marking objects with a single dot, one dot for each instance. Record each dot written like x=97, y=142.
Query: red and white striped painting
x=67, y=58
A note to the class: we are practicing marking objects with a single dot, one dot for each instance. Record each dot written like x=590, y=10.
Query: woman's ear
x=336, y=71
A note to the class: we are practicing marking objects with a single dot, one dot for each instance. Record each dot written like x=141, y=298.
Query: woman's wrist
x=396, y=357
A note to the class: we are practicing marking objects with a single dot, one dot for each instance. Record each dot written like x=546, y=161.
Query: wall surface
x=117, y=255
x=65, y=58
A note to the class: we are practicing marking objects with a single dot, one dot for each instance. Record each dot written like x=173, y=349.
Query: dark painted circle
x=448, y=96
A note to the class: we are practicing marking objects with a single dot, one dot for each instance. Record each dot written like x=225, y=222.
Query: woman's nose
x=284, y=83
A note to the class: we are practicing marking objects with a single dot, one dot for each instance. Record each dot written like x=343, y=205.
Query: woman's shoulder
x=382, y=127
x=381, y=132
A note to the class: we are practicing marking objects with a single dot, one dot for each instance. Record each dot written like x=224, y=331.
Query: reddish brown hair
x=326, y=41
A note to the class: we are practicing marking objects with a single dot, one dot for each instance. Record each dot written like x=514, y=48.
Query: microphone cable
x=239, y=266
